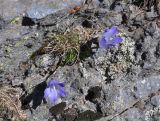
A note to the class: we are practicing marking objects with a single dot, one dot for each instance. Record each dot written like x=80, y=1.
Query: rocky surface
x=121, y=83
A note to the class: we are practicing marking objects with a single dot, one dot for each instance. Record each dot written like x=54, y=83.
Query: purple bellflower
x=53, y=91
x=109, y=38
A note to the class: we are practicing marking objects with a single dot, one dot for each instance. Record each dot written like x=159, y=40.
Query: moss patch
x=21, y=42
x=17, y=20
x=70, y=57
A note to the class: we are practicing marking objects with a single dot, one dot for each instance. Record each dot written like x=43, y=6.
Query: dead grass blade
x=10, y=105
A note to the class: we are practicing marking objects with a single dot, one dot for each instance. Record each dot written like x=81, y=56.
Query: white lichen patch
x=153, y=114
x=127, y=45
x=117, y=60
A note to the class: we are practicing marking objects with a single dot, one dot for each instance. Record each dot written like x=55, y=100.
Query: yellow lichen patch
x=21, y=42
x=16, y=20
x=8, y=49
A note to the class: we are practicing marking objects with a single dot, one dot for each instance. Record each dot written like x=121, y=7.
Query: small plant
x=67, y=46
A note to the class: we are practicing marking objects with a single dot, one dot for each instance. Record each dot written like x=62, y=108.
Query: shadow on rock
x=93, y=93
x=36, y=96
x=72, y=114
x=89, y=116
x=57, y=109
x=27, y=22
x=146, y=3
x=88, y=49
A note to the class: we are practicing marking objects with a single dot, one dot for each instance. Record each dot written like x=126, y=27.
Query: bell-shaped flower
x=53, y=91
x=109, y=38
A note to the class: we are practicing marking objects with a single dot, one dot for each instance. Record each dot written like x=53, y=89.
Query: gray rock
x=39, y=11
x=151, y=15
x=34, y=9
x=155, y=101
x=147, y=86
x=120, y=83
x=158, y=6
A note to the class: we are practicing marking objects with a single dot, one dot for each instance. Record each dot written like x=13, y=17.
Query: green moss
x=21, y=42
x=70, y=57
x=6, y=64
x=126, y=1
x=8, y=49
x=16, y=20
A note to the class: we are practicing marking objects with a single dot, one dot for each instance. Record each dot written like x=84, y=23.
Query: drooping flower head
x=54, y=90
x=109, y=38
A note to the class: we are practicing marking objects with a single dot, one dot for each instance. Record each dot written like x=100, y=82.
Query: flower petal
x=110, y=32
x=117, y=40
x=61, y=92
x=51, y=95
x=55, y=83
x=52, y=83
x=61, y=84
x=47, y=91
x=113, y=31
x=102, y=43
x=106, y=29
